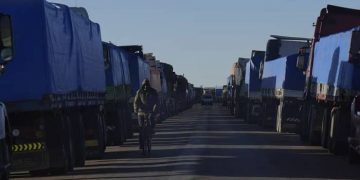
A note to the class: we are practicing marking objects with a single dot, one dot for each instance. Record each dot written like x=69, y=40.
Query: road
x=205, y=142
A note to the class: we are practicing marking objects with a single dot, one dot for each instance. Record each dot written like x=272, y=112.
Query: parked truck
x=230, y=93
x=54, y=88
x=158, y=82
x=6, y=55
x=239, y=95
x=282, y=83
x=180, y=87
x=169, y=78
x=332, y=80
x=139, y=71
x=253, y=87
x=118, y=92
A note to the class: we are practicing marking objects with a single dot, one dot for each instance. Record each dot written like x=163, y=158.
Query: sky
x=203, y=38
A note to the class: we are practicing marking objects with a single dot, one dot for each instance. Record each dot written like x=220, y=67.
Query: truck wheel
x=314, y=136
x=95, y=133
x=325, y=128
x=78, y=132
x=333, y=144
x=124, y=125
x=59, y=143
x=101, y=136
x=130, y=132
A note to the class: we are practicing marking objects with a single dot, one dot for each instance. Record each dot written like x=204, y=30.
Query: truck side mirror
x=6, y=40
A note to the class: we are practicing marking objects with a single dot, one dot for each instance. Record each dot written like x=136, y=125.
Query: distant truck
x=6, y=55
x=282, y=83
x=238, y=88
x=180, y=87
x=169, y=78
x=253, y=87
x=54, y=89
x=332, y=81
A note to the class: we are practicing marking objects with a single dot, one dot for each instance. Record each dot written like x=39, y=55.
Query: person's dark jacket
x=146, y=100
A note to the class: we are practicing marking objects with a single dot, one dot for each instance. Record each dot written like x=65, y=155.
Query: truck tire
x=95, y=124
x=119, y=137
x=59, y=144
x=314, y=136
x=101, y=135
x=129, y=124
x=325, y=128
x=123, y=125
x=334, y=145
x=78, y=132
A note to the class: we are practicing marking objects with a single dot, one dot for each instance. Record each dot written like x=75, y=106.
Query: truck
x=230, y=93
x=6, y=55
x=224, y=95
x=239, y=95
x=54, y=89
x=158, y=82
x=253, y=87
x=169, y=78
x=332, y=80
x=118, y=92
x=180, y=91
x=282, y=83
x=139, y=71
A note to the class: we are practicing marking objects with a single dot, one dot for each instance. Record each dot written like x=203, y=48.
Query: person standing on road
x=145, y=103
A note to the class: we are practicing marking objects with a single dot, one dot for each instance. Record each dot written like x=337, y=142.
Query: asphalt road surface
x=205, y=142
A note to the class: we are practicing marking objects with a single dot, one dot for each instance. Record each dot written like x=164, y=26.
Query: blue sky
x=202, y=38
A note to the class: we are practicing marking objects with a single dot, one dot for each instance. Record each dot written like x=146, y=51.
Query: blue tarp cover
x=252, y=72
x=331, y=64
x=282, y=73
x=139, y=70
x=114, y=73
x=56, y=52
x=118, y=73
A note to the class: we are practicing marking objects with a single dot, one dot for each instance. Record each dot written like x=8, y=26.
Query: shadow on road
x=208, y=142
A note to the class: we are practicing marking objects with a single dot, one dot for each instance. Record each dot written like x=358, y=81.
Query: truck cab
x=6, y=54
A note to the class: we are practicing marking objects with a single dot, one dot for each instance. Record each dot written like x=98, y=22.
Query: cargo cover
x=331, y=62
x=56, y=52
x=252, y=73
x=115, y=69
x=281, y=77
x=139, y=70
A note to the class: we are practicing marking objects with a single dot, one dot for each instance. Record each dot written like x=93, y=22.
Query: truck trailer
x=282, y=83
x=6, y=55
x=55, y=87
x=332, y=79
x=118, y=92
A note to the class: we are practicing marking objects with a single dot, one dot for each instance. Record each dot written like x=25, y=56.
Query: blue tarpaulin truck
x=252, y=87
x=332, y=79
x=139, y=71
x=55, y=87
x=118, y=92
x=6, y=55
x=282, y=83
